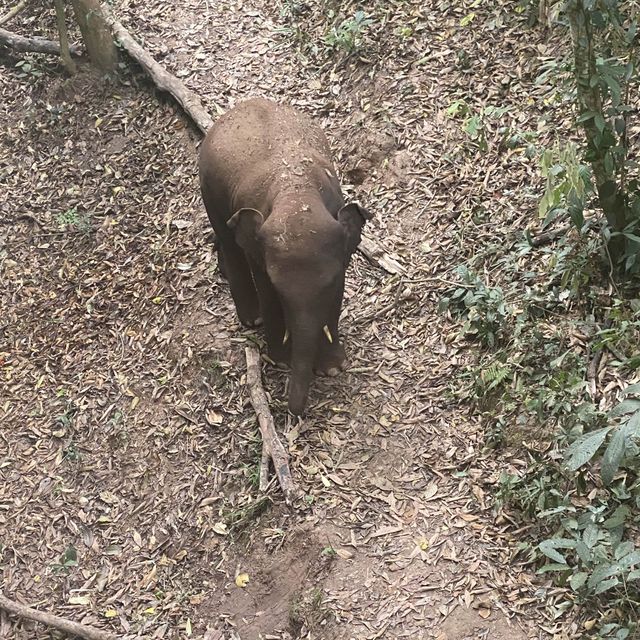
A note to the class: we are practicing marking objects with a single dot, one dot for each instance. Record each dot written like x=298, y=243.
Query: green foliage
x=568, y=182
x=348, y=35
x=72, y=219
x=482, y=308
x=68, y=559
x=28, y=69
x=477, y=125
x=605, y=83
x=621, y=435
x=580, y=485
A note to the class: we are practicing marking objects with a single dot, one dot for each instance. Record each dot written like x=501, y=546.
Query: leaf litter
x=127, y=432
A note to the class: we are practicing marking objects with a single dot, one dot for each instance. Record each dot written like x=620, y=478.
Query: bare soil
x=128, y=448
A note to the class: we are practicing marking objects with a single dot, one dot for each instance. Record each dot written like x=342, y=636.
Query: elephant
x=284, y=233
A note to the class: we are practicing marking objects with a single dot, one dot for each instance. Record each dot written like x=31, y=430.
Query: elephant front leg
x=276, y=335
x=235, y=267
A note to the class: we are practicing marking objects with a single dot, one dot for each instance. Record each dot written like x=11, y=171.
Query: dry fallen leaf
x=242, y=580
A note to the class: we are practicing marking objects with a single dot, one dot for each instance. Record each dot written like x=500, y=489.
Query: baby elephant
x=285, y=234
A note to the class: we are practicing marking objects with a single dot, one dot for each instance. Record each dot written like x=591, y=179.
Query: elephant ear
x=352, y=217
x=246, y=224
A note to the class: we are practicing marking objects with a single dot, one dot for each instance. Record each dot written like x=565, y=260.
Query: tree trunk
x=590, y=101
x=96, y=34
x=64, y=39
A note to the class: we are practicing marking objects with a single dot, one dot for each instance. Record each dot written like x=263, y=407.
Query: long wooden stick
x=270, y=438
x=164, y=80
x=67, y=626
x=12, y=13
x=37, y=45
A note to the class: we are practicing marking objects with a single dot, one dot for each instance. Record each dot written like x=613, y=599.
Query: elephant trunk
x=305, y=336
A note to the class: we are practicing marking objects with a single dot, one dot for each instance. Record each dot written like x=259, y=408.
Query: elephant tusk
x=286, y=336
x=327, y=333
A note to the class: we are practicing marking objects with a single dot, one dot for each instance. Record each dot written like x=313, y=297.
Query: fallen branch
x=67, y=626
x=35, y=45
x=379, y=257
x=549, y=236
x=270, y=441
x=12, y=13
x=164, y=80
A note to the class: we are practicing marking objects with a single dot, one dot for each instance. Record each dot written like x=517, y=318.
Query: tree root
x=271, y=445
x=164, y=80
x=62, y=624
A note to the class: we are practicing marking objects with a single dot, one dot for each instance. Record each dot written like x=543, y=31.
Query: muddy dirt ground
x=128, y=448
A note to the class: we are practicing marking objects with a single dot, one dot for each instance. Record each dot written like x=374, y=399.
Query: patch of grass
x=71, y=219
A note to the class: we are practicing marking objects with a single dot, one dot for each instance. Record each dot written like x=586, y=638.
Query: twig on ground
x=270, y=441
x=67, y=626
x=12, y=13
x=164, y=80
x=264, y=469
x=379, y=257
x=594, y=367
x=592, y=375
x=35, y=45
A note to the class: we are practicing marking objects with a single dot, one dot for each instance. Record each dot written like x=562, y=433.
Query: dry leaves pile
x=127, y=476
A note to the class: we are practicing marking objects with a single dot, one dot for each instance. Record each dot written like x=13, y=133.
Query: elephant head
x=304, y=253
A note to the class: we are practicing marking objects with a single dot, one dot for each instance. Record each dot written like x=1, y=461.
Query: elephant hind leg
x=235, y=268
x=221, y=268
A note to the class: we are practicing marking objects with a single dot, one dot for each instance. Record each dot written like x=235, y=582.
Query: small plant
x=72, y=453
x=567, y=183
x=483, y=309
x=27, y=69
x=67, y=560
x=476, y=125
x=71, y=218
x=348, y=35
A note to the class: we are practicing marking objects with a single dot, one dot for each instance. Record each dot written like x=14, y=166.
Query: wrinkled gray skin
x=285, y=235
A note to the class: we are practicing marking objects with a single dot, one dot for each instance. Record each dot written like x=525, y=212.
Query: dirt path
x=125, y=333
